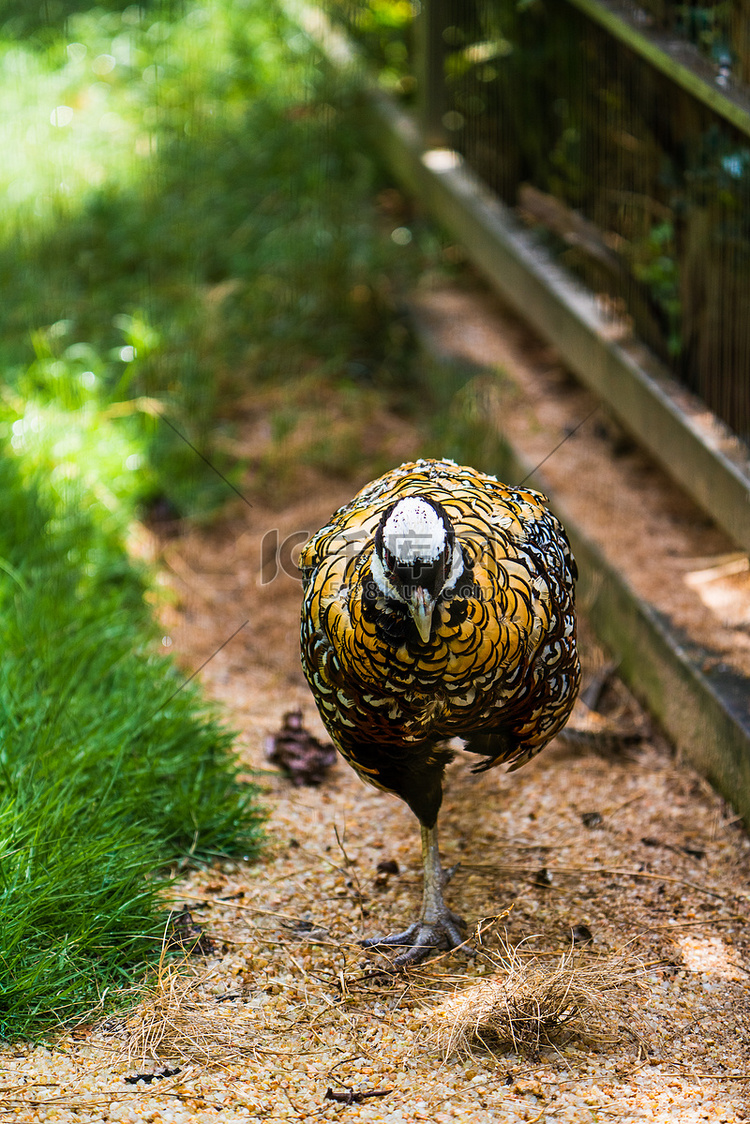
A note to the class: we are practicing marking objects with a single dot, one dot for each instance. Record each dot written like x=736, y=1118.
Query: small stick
x=480, y=869
x=691, y=924
x=248, y=908
x=710, y=1076
x=350, y=1097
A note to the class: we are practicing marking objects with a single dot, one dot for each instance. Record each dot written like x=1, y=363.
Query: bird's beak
x=421, y=606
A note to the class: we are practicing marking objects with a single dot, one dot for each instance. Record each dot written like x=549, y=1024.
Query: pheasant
x=438, y=604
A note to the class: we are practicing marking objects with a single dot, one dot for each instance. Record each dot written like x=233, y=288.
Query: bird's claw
x=422, y=938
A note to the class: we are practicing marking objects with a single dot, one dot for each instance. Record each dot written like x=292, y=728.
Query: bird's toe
x=422, y=938
x=405, y=937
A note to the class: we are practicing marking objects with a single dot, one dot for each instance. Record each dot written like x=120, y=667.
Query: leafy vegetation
x=190, y=215
x=385, y=31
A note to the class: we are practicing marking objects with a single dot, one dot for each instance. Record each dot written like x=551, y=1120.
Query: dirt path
x=290, y=1006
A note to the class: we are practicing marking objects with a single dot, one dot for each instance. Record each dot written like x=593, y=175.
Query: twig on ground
x=348, y=1096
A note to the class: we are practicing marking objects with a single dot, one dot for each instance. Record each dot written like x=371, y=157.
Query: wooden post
x=430, y=25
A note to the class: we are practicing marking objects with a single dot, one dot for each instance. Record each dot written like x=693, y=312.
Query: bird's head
x=416, y=557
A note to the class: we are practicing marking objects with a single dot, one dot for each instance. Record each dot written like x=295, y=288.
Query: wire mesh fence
x=637, y=185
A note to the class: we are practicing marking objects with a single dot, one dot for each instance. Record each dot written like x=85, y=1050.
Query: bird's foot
x=422, y=938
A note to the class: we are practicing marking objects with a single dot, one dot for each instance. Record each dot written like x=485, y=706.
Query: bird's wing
x=529, y=573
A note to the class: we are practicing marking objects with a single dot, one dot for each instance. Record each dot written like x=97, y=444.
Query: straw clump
x=530, y=1002
x=179, y=1020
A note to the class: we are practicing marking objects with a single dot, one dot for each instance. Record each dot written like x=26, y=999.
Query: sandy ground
x=286, y=1005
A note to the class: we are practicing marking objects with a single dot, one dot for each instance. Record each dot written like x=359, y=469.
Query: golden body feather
x=500, y=668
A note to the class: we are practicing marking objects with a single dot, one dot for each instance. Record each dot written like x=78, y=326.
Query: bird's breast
x=472, y=647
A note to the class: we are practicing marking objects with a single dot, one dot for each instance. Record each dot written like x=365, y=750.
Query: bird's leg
x=437, y=927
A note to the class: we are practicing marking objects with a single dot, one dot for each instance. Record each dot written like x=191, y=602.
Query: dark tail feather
x=496, y=745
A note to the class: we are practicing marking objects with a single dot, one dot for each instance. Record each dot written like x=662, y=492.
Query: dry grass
x=179, y=1019
x=530, y=1002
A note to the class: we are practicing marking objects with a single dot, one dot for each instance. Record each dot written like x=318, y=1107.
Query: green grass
x=109, y=771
